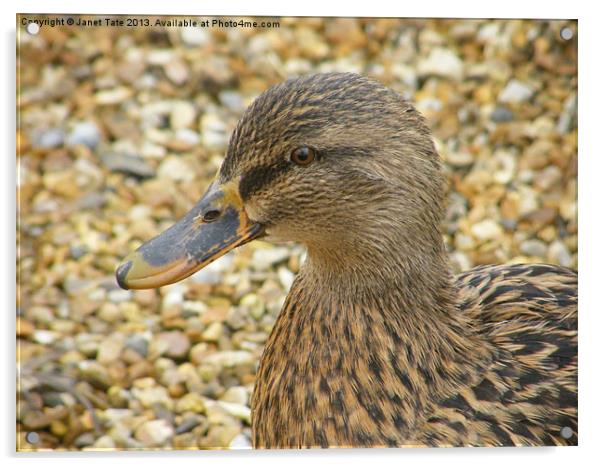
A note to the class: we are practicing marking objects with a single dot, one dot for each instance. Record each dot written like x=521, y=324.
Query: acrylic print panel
x=419, y=312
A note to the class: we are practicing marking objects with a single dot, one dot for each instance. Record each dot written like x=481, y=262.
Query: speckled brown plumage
x=378, y=344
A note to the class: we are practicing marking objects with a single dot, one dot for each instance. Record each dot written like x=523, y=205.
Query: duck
x=378, y=343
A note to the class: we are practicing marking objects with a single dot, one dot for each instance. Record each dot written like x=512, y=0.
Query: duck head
x=335, y=161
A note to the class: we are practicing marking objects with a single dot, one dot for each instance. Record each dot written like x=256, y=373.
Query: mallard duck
x=377, y=344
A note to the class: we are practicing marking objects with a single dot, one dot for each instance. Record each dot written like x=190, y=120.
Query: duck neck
x=362, y=351
x=408, y=305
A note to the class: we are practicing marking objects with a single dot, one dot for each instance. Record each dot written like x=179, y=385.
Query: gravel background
x=121, y=129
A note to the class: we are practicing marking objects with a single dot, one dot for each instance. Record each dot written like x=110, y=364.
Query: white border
x=590, y=197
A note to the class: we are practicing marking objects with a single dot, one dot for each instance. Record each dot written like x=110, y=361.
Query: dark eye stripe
x=258, y=178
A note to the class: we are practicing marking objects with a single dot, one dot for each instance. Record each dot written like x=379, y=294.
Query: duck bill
x=193, y=242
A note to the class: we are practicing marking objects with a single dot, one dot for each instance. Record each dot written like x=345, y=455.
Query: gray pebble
x=85, y=133
x=50, y=139
x=501, y=115
x=128, y=164
x=516, y=91
x=533, y=247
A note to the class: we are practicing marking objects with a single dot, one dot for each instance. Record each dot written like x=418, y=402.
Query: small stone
x=62, y=183
x=548, y=177
x=119, y=296
x=230, y=358
x=263, y=259
x=95, y=373
x=286, y=277
x=194, y=36
x=441, y=62
x=533, y=247
x=85, y=133
x=254, y=305
x=50, y=139
x=182, y=114
x=176, y=169
x=104, y=442
x=184, y=139
x=515, y=92
x=459, y=159
x=237, y=410
x=84, y=440
x=566, y=121
x=92, y=200
x=148, y=393
x=464, y=242
x=154, y=433
x=232, y=100
x=220, y=436
x=214, y=133
x=128, y=164
x=138, y=343
x=486, y=230
x=113, y=96
x=240, y=442
x=213, y=332
x=77, y=251
x=190, y=402
x=110, y=349
x=45, y=337
x=460, y=261
x=237, y=395
x=501, y=115
x=506, y=162
x=177, y=72
x=558, y=253
x=177, y=342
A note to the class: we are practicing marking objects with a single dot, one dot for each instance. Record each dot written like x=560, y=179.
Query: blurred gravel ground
x=121, y=130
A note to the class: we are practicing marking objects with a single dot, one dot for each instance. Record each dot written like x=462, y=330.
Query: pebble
x=177, y=72
x=501, y=115
x=486, y=230
x=174, y=168
x=233, y=101
x=148, y=393
x=154, y=433
x=213, y=332
x=119, y=296
x=516, y=92
x=45, y=337
x=236, y=395
x=240, y=442
x=190, y=402
x=214, y=133
x=239, y=411
x=548, y=177
x=85, y=133
x=460, y=158
x=263, y=259
x=441, y=62
x=178, y=344
x=50, y=138
x=533, y=247
x=113, y=96
x=110, y=349
x=182, y=115
x=230, y=358
x=128, y=164
x=558, y=253
x=194, y=36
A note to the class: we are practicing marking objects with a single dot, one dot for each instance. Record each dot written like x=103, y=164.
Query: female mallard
x=377, y=343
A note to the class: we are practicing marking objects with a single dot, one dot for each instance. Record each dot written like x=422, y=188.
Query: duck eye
x=303, y=156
